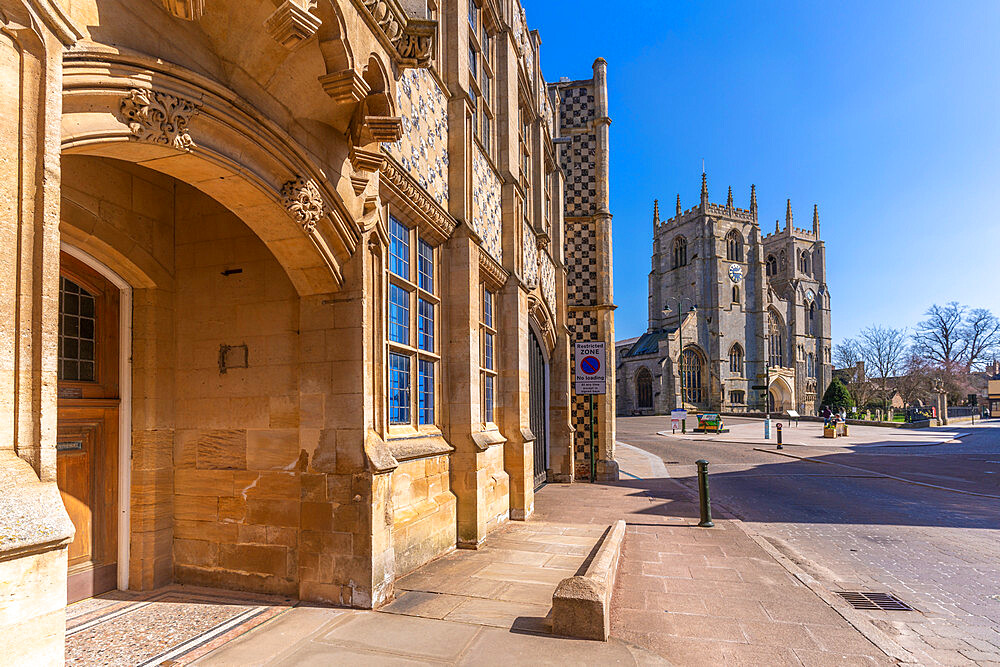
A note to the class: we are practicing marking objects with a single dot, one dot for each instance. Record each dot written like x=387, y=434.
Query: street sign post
x=591, y=377
x=590, y=360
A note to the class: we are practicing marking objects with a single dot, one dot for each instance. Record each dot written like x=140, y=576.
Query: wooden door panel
x=87, y=440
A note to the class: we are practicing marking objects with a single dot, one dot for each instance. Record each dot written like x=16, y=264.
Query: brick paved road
x=855, y=530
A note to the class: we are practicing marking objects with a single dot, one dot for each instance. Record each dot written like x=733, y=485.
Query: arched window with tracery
x=771, y=266
x=680, y=251
x=811, y=365
x=775, y=336
x=734, y=246
x=644, y=389
x=811, y=321
x=691, y=376
x=804, y=261
x=736, y=360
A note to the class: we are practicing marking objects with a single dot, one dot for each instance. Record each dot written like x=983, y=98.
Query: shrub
x=837, y=396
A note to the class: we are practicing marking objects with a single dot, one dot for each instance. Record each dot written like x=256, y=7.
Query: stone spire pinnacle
x=776, y=227
x=704, y=190
x=729, y=198
x=679, y=209
x=816, y=220
x=656, y=212
x=753, y=200
x=788, y=215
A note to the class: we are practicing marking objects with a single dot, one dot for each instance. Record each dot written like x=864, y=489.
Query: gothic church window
x=734, y=246
x=804, y=262
x=811, y=365
x=736, y=360
x=737, y=397
x=691, y=373
x=644, y=389
x=736, y=293
x=811, y=322
x=771, y=266
x=775, y=334
x=680, y=252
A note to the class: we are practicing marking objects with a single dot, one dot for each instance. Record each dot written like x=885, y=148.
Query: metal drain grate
x=875, y=601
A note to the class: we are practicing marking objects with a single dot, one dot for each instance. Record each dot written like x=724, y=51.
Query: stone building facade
x=730, y=309
x=285, y=293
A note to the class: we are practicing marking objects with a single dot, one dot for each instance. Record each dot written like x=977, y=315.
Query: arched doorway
x=644, y=389
x=538, y=406
x=779, y=396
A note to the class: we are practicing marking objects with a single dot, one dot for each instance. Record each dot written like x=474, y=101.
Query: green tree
x=837, y=396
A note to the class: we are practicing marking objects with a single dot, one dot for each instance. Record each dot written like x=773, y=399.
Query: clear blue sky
x=886, y=114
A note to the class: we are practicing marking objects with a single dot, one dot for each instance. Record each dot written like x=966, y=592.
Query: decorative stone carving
x=189, y=10
x=159, y=118
x=304, y=202
x=291, y=23
x=412, y=39
x=529, y=256
x=414, y=46
x=402, y=182
x=547, y=278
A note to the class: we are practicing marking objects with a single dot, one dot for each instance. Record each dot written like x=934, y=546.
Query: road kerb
x=876, y=472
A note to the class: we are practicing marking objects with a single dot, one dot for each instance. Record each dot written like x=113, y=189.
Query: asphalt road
x=854, y=528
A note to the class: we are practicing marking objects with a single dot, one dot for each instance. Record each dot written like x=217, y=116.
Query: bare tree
x=883, y=349
x=981, y=335
x=847, y=354
x=939, y=338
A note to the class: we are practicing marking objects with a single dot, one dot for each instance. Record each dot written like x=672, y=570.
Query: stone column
x=477, y=476
x=33, y=522
x=607, y=467
x=513, y=396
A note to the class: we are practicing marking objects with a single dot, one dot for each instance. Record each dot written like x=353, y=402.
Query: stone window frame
x=811, y=365
x=488, y=355
x=771, y=266
x=680, y=246
x=420, y=288
x=811, y=318
x=482, y=76
x=737, y=360
x=737, y=397
x=734, y=246
x=736, y=294
x=775, y=339
x=693, y=375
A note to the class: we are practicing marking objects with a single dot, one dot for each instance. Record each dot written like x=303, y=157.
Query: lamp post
x=679, y=303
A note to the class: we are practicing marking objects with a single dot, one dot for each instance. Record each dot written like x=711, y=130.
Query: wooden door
x=538, y=407
x=87, y=441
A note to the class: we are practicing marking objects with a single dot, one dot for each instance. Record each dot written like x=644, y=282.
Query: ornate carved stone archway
x=174, y=121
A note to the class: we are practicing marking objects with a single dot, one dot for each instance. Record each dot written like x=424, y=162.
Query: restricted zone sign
x=590, y=372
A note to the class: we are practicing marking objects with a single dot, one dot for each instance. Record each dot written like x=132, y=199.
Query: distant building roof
x=648, y=343
x=627, y=341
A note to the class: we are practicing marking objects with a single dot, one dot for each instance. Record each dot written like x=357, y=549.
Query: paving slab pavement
x=684, y=595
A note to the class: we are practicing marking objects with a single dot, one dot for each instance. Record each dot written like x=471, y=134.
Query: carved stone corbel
x=292, y=23
x=346, y=86
x=304, y=202
x=189, y=10
x=387, y=129
x=365, y=160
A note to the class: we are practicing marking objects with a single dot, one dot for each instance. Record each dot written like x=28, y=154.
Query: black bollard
x=706, y=508
x=779, y=436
